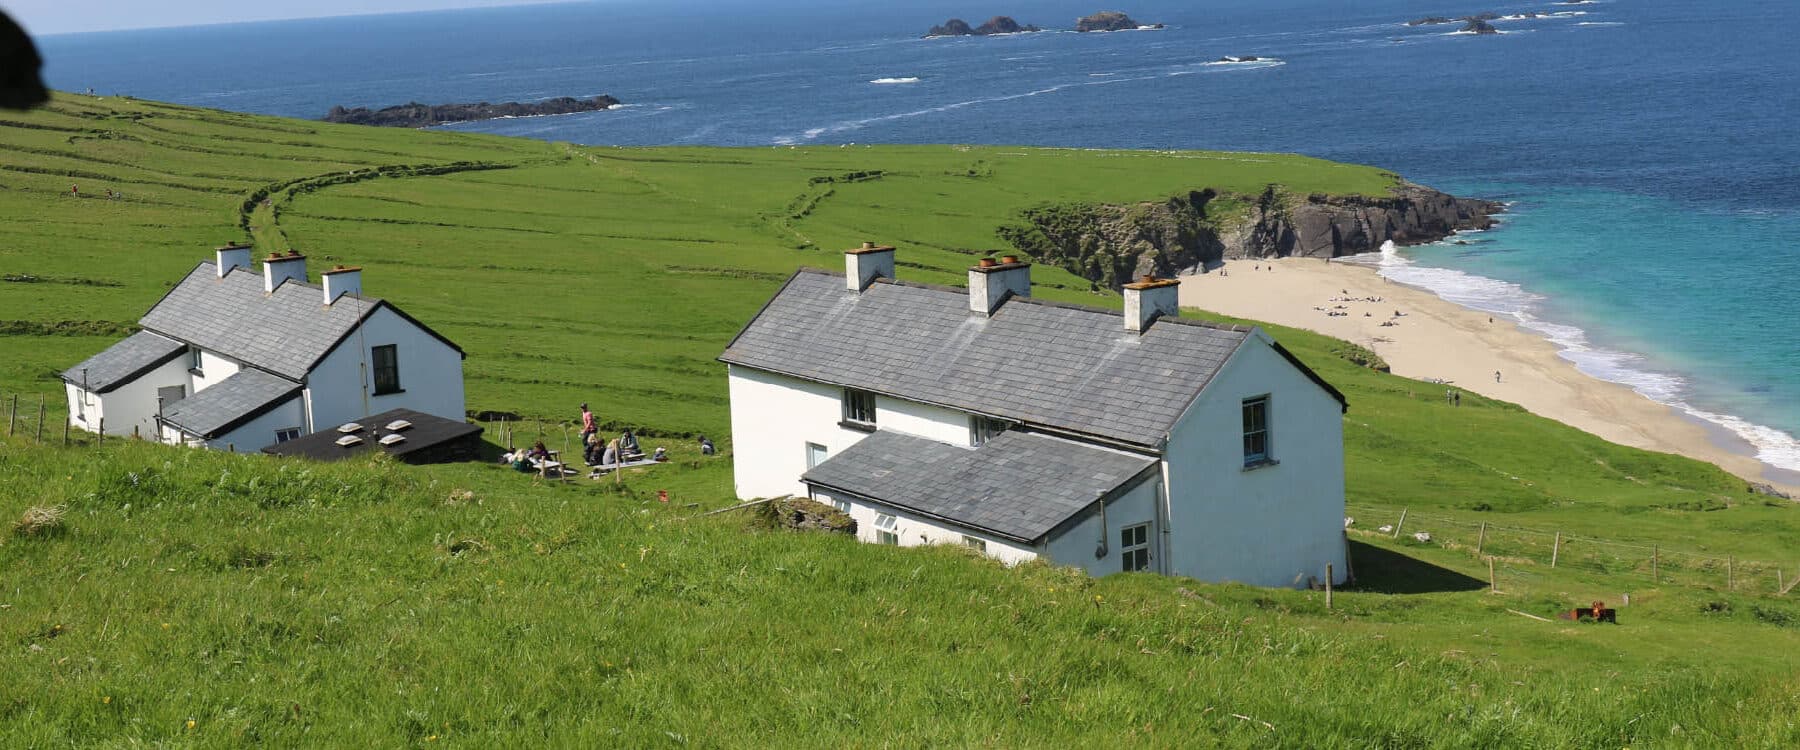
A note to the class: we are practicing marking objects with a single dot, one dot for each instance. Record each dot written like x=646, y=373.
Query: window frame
x=391, y=382
x=292, y=432
x=1256, y=432
x=887, y=529
x=1134, y=547
x=858, y=410
x=976, y=543
x=196, y=358
x=823, y=453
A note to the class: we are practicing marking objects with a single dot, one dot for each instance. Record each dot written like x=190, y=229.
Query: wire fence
x=1528, y=552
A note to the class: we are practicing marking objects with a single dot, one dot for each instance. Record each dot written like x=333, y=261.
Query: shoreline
x=1437, y=340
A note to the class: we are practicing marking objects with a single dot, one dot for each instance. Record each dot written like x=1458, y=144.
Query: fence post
x=65, y=433
x=1730, y=579
x=1328, y=585
x=1401, y=523
x=12, y=416
x=1493, y=588
x=1779, y=584
x=1481, y=539
x=1555, y=549
x=1654, y=577
x=100, y=437
x=40, y=424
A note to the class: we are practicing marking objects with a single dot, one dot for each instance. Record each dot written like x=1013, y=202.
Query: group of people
x=596, y=450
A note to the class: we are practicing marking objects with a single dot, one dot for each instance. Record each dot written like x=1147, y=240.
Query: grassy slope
x=614, y=276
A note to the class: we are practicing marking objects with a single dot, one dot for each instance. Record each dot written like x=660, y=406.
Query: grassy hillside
x=331, y=605
x=293, y=604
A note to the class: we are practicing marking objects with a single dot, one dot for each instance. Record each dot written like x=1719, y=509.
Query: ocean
x=1647, y=147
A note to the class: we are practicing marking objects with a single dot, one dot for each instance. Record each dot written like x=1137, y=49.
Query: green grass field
x=294, y=604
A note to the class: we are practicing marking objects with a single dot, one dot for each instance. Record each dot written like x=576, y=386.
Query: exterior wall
x=213, y=368
x=257, y=433
x=1273, y=525
x=923, y=420
x=132, y=405
x=915, y=531
x=773, y=417
x=430, y=376
x=1075, y=546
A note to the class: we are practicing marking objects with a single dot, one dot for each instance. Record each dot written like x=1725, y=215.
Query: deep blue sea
x=1649, y=147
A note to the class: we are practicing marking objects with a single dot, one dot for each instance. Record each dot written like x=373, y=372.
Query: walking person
x=587, y=423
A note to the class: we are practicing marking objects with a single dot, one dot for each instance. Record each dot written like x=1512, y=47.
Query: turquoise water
x=1648, y=146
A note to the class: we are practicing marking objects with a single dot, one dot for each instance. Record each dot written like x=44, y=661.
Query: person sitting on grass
x=661, y=454
x=590, y=451
x=706, y=446
x=628, y=445
x=611, y=456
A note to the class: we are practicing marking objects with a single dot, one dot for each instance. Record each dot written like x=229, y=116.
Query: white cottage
x=1032, y=429
x=234, y=359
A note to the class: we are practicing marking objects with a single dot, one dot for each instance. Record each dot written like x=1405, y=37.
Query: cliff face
x=1112, y=244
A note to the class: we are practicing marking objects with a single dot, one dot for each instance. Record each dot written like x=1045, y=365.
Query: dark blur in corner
x=20, y=86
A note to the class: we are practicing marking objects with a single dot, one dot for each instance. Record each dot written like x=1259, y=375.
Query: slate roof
x=1040, y=363
x=426, y=433
x=285, y=332
x=229, y=403
x=1019, y=485
x=123, y=362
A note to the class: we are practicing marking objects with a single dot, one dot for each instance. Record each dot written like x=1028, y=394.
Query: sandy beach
x=1433, y=339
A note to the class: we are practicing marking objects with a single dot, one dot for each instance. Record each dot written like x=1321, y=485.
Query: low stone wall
x=804, y=514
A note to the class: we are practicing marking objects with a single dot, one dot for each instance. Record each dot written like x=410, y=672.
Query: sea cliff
x=1111, y=244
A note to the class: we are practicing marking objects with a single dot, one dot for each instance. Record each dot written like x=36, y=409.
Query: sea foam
x=1504, y=298
x=907, y=79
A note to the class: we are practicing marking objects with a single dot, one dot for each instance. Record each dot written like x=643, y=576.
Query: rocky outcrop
x=1112, y=244
x=1109, y=20
x=1479, y=26
x=995, y=25
x=416, y=115
x=1428, y=21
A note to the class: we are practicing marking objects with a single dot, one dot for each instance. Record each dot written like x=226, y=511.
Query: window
x=1256, y=430
x=859, y=409
x=975, y=544
x=1134, y=547
x=815, y=454
x=887, y=530
x=194, y=359
x=287, y=433
x=387, y=369
x=981, y=429
x=170, y=394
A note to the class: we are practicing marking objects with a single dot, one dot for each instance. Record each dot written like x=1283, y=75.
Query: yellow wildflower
x=107, y=700
x=190, y=724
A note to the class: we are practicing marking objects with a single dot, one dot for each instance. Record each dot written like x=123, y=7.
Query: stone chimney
x=991, y=282
x=340, y=281
x=279, y=268
x=1148, y=298
x=232, y=255
x=864, y=264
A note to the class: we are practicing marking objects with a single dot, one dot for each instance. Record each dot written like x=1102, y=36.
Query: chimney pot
x=1149, y=299
x=1009, y=259
x=232, y=255
x=990, y=283
x=278, y=268
x=864, y=264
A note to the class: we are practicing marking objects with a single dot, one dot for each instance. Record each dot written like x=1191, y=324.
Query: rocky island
x=995, y=25
x=1479, y=26
x=1110, y=20
x=416, y=115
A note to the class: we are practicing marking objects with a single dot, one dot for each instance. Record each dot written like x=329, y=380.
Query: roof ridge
x=963, y=290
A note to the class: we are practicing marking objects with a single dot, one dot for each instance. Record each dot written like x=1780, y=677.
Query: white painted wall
x=132, y=405
x=1075, y=546
x=431, y=378
x=773, y=417
x=213, y=368
x=258, y=433
x=916, y=531
x=1275, y=525
x=923, y=420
